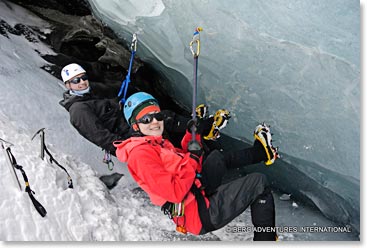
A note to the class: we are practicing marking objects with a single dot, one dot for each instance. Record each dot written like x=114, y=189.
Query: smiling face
x=77, y=82
x=153, y=128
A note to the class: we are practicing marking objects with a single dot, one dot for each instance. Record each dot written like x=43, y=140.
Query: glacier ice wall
x=293, y=64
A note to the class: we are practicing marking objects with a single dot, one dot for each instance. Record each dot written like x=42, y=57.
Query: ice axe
x=41, y=132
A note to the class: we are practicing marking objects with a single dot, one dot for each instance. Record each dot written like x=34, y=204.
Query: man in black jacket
x=100, y=120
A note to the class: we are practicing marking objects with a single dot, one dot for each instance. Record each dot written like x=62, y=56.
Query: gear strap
x=51, y=158
x=203, y=210
x=170, y=209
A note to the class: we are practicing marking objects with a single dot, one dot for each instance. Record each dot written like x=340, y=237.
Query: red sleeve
x=187, y=138
x=146, y=166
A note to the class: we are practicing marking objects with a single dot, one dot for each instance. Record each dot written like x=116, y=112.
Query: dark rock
x=70, y=7
x=111, y=180
x=78, y=37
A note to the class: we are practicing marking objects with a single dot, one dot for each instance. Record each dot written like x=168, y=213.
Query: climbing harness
x=44, y=149
x=176, y=211
x=107, y=160
x=195, y=50
x=13, y=163
x=125, y=83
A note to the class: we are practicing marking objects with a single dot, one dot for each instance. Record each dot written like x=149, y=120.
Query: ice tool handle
x=14, y=165
x=125, y=83
x=195, y=50
x=5, y=145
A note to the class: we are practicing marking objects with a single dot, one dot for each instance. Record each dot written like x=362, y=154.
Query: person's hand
x=202, y=126
x=192, y=124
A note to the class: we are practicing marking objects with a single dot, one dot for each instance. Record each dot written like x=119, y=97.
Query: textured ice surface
x=293, y=64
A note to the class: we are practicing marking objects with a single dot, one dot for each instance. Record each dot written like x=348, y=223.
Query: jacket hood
x=123, y=148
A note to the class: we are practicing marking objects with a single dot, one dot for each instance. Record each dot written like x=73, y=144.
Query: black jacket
x=98, y=120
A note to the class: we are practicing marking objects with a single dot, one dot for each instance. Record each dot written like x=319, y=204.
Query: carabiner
x=110, y=165
x=196, y=41
x=107, y=160
x=134, y=43
x=178, y=209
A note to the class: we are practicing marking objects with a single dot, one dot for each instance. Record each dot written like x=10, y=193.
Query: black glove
x=192, y=123
x=195, y=149
x=202, y=126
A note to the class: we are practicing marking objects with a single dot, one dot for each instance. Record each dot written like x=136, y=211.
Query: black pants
x=233, y=198
x=229, y=200
x=216, y=164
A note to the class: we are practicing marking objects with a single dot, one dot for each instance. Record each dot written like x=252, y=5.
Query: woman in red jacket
x=188, y=189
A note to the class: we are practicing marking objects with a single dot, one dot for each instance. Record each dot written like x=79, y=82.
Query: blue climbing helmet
x=135, y=103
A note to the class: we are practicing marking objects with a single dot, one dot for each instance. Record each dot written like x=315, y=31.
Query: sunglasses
x=148, y=118
x=77, y=79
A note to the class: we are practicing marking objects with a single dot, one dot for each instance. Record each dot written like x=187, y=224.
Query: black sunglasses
x=77, y=79
x=148, y=118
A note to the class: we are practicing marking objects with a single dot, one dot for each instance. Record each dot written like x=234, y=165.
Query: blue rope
x=125, y=83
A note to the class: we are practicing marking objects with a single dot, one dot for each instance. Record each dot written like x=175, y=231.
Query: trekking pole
x=195, y=50
x=9, y=162
x=125, y=83
x=51, y=158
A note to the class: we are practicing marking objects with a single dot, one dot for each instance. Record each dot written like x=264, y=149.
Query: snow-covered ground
x=89, y=212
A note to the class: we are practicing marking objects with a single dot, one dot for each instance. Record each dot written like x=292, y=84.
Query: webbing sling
x=40, y=209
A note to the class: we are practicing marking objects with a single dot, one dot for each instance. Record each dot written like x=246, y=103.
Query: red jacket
x=164, y=172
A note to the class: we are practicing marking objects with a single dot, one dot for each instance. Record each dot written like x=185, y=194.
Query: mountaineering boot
x=263, y=217
x=202, y=111
x=263, y=135
x=220, y=120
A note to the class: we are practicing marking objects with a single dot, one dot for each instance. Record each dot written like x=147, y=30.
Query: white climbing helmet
x=71, y=71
